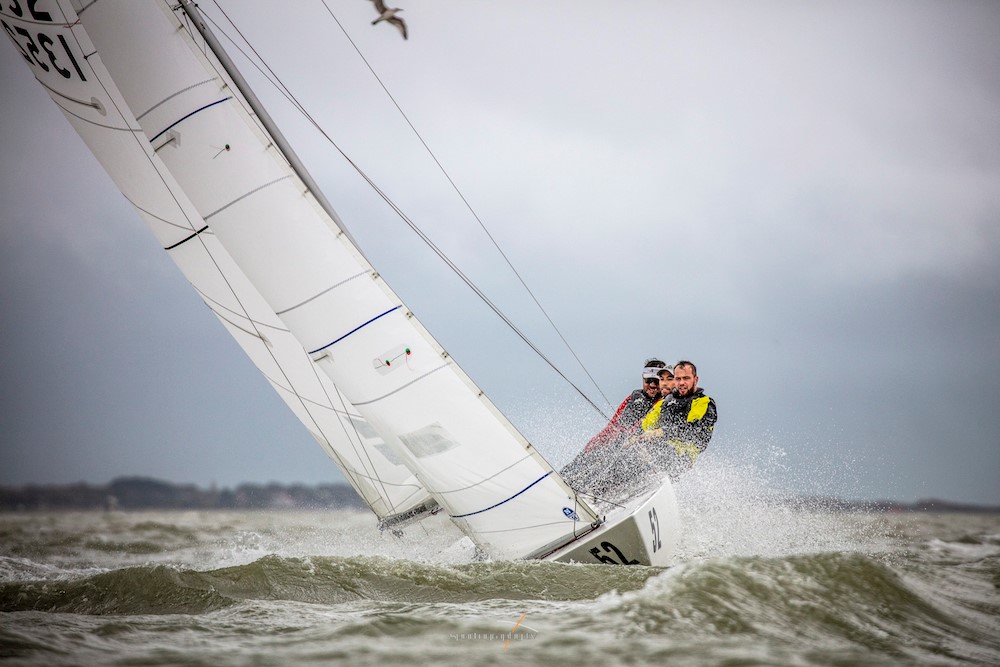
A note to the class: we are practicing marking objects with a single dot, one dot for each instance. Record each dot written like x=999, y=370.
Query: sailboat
x=155, y=97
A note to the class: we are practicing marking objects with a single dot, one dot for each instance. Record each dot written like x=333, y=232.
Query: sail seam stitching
x=96, y=124
x=532, y=526
x=244, y=196
x=170, y=97
x=93, y=105
x=153, y=215
x=255, y=334
x=219, y=306
x=521, y=460
x=237, y=314
x=398, y=389
x=332, y=287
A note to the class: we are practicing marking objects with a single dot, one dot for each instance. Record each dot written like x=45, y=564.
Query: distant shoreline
x=144, y=493
x=141, y=493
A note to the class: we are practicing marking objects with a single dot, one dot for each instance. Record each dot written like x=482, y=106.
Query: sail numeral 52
x=654, y=523
x=608, y=547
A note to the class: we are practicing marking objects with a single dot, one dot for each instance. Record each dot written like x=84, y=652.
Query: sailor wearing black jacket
x=681, y=425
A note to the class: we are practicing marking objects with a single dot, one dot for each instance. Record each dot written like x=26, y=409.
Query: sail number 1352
x=38, y=47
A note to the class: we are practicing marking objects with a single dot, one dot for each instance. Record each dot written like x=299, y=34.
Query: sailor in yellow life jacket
x=677, y=428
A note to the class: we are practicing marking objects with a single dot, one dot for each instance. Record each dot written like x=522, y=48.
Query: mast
x=192, y=11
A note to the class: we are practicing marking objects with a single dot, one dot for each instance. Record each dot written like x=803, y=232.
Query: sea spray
x=735, y=511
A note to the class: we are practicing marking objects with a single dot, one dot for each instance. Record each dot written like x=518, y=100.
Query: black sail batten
x=188, y=238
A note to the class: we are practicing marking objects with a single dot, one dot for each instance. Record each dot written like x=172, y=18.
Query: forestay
x=228, y=208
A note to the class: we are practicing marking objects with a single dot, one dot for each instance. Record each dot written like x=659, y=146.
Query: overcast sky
x=802, y=197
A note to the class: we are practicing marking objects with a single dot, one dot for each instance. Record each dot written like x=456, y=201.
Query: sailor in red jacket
x=591, y=462
x=627, y=418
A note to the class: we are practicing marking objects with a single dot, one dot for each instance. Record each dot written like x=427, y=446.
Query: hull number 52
x=605, y=558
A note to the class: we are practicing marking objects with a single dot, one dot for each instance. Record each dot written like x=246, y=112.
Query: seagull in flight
x=389, y=14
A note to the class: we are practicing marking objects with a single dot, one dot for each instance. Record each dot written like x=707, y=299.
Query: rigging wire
x=273, y=78
x=468, y=205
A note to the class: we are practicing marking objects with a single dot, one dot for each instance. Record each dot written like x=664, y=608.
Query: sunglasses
x=652, y=381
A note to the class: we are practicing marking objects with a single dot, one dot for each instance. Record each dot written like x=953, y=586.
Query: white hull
x=642, y=533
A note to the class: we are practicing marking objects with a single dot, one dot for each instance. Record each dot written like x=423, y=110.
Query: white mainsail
x=274, y=264
x=83, y=90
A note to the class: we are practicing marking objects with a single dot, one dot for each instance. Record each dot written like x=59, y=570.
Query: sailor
x=680, y=426
x=651, y=418
x=605, y=448
x=626, y=419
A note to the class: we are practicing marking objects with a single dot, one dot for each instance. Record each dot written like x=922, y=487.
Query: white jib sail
x=50, y=41
x=461, y=449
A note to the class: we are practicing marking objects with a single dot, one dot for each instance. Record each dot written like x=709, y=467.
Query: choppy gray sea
x=754, y=582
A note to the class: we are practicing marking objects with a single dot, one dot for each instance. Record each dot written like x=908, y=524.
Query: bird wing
x=398, y=22
x=379, y=6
